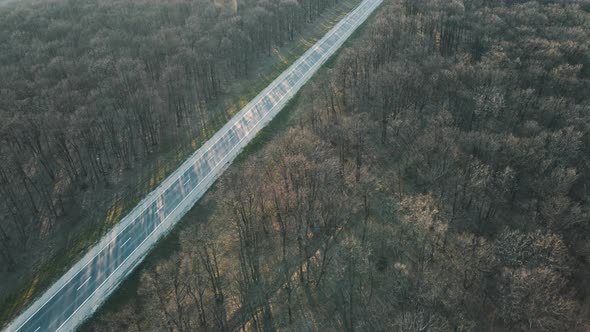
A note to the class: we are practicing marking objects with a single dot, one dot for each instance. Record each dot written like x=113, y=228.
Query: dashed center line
x=84, y=283
x=274, y=91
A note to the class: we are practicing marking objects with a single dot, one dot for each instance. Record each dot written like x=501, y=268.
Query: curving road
x=81, y=290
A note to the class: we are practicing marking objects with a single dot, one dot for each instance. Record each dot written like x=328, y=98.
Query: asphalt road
x=87, y=284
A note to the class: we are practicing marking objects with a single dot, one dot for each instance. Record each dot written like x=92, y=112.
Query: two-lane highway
x=87, y=284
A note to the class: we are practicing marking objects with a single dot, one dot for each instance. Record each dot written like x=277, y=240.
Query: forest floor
x=109, y=205
x=334, y=219
x=412, y=237
x=203, y=221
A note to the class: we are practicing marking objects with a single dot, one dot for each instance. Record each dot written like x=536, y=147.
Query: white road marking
x=124, y=243
x=84, y=283
x=145, y=239
x=171, y=182
x=37, y=329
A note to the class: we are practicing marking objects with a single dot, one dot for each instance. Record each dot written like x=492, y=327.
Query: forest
x=433, y=178
x=99, y=99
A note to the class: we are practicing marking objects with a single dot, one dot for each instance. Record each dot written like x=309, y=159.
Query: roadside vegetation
x=434, y=177
x=99, y=101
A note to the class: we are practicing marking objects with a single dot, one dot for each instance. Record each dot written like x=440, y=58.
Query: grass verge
x=52, y=269
x=127, y=291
